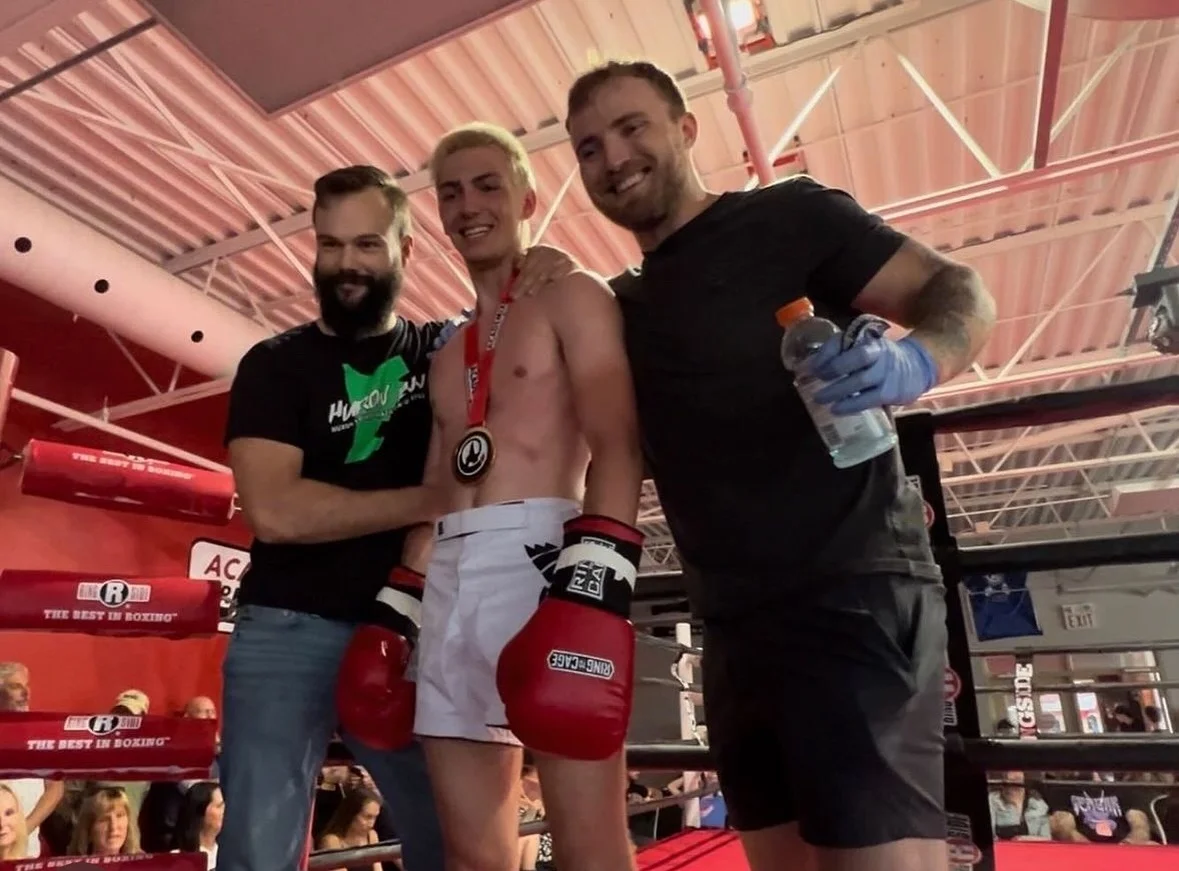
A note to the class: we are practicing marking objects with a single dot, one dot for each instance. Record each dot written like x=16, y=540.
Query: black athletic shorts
x=828, y=712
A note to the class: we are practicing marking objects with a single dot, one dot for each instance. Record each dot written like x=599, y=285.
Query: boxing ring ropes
x=84, y=745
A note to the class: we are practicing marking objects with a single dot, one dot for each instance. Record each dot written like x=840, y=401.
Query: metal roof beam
x=1055, y=19
x=32, y=24
x=759, y=66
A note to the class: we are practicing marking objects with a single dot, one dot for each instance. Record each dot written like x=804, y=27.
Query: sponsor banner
x=101, y=746
x=138, y=862
x=121, y=482
x=224, y=565
x=953, y=685
x=44, y=601
x=1025, y=700
x=964, y=853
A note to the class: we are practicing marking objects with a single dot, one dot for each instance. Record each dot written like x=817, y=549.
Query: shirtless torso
x=539, y=449
x=541, y=547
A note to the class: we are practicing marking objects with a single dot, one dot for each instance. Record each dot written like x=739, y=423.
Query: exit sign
x=1080, y=616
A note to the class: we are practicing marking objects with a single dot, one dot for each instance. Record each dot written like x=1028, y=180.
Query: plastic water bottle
x=851, y=439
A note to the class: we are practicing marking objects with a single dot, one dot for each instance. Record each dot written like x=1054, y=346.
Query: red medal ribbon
x=479, y=365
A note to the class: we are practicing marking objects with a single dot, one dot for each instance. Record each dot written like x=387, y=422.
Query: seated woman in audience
x=352, y=825
x=199, y=821
x=14, y=833
x=105, y=825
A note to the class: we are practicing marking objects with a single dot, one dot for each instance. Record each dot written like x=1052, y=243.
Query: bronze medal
x=473, y=455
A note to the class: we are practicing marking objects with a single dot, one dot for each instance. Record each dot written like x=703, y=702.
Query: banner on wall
x=1001, y=605
x=221, y=563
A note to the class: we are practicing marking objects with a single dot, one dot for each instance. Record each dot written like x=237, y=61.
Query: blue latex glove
x=450, y=327
x=865, y=369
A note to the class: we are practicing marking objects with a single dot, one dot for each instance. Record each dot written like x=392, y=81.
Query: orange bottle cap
x=794, y=311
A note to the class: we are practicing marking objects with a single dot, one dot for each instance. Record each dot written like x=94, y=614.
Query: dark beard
x=369, y=314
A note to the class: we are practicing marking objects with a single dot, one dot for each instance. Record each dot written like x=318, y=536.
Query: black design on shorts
x=544, y=557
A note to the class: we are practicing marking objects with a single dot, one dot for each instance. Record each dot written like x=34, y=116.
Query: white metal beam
x=776, y=60
x=1068, y=432
x=1087, y=90
x=1101, y=526
x=122, y=58
x=133, y=131
x=1046, y=318
x=1055, y=19
x=60, y=410
x=1042, y=371
x=1057, y=468
x=947, y=114
x=787, y=137
x=1065, y=229
x=21, y=23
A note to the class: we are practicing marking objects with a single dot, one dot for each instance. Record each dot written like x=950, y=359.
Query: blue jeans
x=279, y=713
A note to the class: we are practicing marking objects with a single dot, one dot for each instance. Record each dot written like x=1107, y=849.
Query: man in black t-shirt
x=816, y=585
x=328, y=429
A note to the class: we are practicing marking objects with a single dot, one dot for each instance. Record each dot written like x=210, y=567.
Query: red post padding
x=100, y=746
x=96, y=604
x=9, y=363
x=105, y=479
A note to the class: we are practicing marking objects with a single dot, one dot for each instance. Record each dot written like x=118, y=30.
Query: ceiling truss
x=990, y=492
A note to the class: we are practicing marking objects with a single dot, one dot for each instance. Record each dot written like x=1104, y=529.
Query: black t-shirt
x=360, y=412
x=756, y=506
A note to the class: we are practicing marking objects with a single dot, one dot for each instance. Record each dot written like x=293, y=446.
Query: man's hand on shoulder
x=540, y=266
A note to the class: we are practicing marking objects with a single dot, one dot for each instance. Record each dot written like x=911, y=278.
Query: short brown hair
x=477, y=135
x=354, y=179
x=587, y=83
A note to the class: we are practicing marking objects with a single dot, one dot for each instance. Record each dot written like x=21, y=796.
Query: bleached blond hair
x=480, y=135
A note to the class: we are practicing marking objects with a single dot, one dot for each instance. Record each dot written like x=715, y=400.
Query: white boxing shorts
x=484, y=582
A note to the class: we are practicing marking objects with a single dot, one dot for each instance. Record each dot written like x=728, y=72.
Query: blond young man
x=525, y=632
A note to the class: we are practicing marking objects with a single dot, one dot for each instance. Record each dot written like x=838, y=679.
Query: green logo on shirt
x=372, y=398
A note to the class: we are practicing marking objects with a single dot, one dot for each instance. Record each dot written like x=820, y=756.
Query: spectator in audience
x=14, y=832
x=1018, y=813
x=1140, y=833
x=130, y=703
x=1063, y=827
x=329, y=792
x=202, y=708
x=105, y=825
x=199, y=821
x=36, y=797
x=1004, y=728
x=1128, y=717
x=160, y=815
x=641, y=826
x=536, y=851
x=353, y=823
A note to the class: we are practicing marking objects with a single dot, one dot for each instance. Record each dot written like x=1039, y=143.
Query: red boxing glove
x=374, y=700
x=567, y=678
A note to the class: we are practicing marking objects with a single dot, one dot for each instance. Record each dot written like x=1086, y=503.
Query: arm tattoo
x=952, y=315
